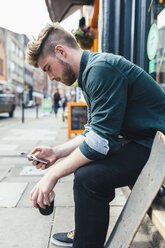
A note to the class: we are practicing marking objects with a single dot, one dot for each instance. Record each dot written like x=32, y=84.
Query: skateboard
x=141, y=197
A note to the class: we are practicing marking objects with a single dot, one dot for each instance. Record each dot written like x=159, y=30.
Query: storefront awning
x=60, y=9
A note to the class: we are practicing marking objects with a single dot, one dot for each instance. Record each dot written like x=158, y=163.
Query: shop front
x=156, y=41
x=136, y=30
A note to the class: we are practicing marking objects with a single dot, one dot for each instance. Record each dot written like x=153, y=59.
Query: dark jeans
x=63, y=107
x=94, y=188
x=56, y=108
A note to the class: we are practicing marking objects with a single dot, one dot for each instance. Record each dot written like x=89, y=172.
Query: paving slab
x=13, y=160
x=8, y=147
x=10, y=193
x=63, y=221
x=5, y=163
x=15, y=170
x=32, y=171
x=24, y=228
x=25, y=201
x=7, y=153
x=4, y=171
x=32, y=134
x=120, y=199
x=21, y=179
x=67, y=179
x=64, y=194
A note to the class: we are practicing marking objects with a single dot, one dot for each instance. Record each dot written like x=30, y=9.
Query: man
x=55, y=100
x=122, y=100
x=64, y=102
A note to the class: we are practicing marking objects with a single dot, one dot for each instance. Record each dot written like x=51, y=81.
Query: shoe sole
x=62, y=244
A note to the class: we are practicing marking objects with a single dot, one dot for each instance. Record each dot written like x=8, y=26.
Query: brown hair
x=48, y=38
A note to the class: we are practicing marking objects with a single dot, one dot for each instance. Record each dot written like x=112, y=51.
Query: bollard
x=37, y=110
x=23, y=112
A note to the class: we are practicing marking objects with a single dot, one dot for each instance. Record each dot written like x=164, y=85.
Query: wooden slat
x=158, y=215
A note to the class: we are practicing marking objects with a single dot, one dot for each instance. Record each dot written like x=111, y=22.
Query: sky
x=30, y=16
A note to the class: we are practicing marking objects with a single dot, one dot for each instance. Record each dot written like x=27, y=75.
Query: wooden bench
x=156, y=214
x=143, y=199
x=156, y=211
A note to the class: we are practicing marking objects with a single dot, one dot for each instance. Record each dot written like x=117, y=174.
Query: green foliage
x=84, y=36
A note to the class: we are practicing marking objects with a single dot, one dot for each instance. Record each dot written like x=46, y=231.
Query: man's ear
x=60, y=51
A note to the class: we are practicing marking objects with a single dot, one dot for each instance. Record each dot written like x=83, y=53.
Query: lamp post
x=23, y=107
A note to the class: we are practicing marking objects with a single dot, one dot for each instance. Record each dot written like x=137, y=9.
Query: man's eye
x=48, y=68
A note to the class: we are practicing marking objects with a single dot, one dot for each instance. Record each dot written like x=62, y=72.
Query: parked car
x=7, y=98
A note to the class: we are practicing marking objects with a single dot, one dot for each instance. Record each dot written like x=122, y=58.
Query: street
x=30, y=113
x=21, y=223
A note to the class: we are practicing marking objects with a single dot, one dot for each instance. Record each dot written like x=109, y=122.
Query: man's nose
x=51, y=77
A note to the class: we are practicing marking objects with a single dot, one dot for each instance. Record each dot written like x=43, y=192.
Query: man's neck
x=75, y=58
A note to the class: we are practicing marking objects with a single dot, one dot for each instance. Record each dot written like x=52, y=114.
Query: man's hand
x=63, y=168
x=53, y=154
x=40, y=192
x=45, y=153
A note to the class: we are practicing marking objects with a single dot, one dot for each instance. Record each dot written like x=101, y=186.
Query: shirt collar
x=83, y=64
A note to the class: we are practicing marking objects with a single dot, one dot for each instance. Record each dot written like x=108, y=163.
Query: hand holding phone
x=32, y=157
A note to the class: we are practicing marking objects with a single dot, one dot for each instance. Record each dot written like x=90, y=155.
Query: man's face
x=57, y=69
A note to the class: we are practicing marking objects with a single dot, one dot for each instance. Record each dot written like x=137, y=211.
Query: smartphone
x=31, y=156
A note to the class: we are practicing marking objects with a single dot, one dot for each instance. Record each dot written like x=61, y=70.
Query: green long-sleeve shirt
x=122, y=100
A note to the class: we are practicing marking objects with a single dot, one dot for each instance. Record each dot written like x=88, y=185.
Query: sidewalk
x=21, y=225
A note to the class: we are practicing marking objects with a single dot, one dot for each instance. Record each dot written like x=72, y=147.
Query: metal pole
x=23, y=107
x=132, y=31
x=22, y=112
x=37, y=110
x=108, y=26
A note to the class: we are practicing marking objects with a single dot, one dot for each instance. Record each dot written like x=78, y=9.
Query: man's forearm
x=68, y=165
x=68, y=147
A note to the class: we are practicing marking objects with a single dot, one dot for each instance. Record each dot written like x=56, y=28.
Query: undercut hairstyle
x=46, y=42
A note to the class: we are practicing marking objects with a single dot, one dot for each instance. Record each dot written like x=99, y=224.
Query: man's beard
x=69, y=76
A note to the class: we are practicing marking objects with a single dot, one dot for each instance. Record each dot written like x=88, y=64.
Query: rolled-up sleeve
x=107, y=89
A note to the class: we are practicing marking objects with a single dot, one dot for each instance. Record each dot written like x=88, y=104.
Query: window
x=12, y=66
x=156, y=41
x=13, y=46
x=21, y=54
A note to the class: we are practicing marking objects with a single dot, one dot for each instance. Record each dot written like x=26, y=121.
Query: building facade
x=2, y=58
x=136, y=30
x=30, y=84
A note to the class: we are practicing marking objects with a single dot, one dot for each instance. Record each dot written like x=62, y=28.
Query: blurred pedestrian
x=122, y=100
x=55, y=101
x=64, y=102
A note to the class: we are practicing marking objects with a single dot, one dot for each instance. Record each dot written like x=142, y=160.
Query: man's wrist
x=56, y=172
x=56, y=151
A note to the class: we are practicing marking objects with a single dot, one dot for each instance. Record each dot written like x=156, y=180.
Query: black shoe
x=63, y=239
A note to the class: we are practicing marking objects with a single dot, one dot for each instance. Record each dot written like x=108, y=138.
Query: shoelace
x=70, y=235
